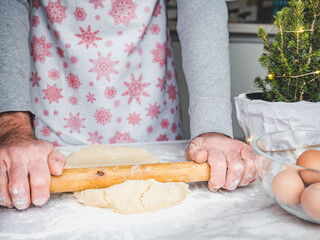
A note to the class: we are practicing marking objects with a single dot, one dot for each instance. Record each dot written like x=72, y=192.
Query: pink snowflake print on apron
x=123, y=11
x=74, y=123
x=52, y=93
x=102, y=72
x=35, y=79
x=103, y=66
x=97, y=3
x=56, y=12
x=159, y=54
x=40, y=49
x=88, y=37
x=80, y=14
x=136, y=89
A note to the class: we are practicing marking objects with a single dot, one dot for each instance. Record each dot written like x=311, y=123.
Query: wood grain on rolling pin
x=86, y=178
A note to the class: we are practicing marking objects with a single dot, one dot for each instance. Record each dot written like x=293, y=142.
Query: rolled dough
x=100, y=155
x=135, y=196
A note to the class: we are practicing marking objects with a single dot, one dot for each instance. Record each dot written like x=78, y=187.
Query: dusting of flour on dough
x=135, y=196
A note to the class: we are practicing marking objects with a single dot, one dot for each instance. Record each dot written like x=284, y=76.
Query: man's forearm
x=14, y=56
x=203, y=33
x=15, y=126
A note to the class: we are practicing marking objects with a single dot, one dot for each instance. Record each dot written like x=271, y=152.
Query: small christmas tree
x=293, y=58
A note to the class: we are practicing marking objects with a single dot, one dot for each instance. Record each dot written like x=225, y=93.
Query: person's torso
x=102, y=71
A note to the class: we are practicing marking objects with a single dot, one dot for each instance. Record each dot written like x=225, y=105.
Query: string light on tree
x=293, y=58
x=270, y=76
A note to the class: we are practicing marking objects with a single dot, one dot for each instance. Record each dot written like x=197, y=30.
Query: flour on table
x=133, y=196
x=100, y=155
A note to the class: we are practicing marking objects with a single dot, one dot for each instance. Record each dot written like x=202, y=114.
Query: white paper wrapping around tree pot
x=257, y=116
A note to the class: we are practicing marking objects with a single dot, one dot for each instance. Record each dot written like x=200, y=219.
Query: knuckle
x=219, y=165
x=248, y=156
x=47, y=145
x=14, y=151
x=196, y=140
x=217, y=161
x=36, y=150
x=16, y=189
x=250, y=166
x=18, y=152
x=236, y=167
x=40, y=183
x=53, y=159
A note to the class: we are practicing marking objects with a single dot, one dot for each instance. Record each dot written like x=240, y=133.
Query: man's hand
x=231, y=161
x=25, y=163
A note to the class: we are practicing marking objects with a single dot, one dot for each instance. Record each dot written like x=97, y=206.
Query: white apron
x=102, y=71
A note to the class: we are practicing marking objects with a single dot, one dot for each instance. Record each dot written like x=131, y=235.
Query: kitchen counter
x=247, y=213
x=250, y=28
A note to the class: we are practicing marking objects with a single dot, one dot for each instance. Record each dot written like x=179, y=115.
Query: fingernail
x=20, y=203
x=234, y=185
x=39, y=201
x=59, y=171
x=214, y=189
x=243, y=184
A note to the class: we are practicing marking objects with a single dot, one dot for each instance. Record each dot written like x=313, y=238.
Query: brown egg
x=309, y=176
x=310, y=200
x=287, y=186
x=310, y=159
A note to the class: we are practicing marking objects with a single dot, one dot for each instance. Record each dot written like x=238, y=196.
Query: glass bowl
x=277, y=152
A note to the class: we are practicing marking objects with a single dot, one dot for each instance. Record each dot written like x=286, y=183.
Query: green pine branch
x=292, y=59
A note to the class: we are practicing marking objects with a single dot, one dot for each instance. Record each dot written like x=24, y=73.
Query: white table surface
x=247, y=213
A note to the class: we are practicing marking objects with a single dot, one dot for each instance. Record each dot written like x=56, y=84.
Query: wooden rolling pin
x=86, y=178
